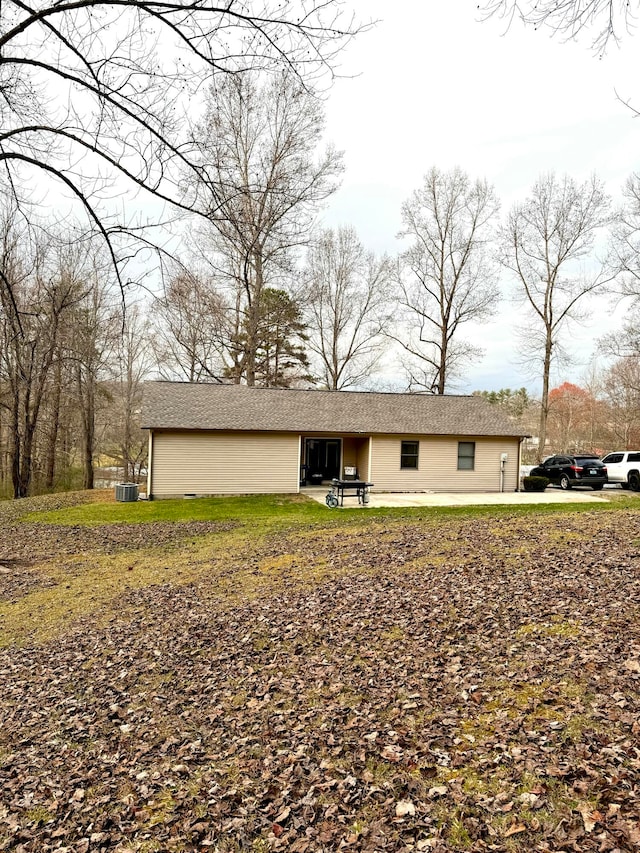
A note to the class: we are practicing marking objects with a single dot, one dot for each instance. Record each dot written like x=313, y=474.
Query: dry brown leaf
x=392, y=753
x=296, y=701
x=438, y=791
x=589, y=817
x=514, y=829
x=405, y=808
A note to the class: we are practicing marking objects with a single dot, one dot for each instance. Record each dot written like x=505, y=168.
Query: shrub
x=535, y=484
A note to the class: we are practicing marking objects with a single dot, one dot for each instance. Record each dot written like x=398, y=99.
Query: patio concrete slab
x=400, y=499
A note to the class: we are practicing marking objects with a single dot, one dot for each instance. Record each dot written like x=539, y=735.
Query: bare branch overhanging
x=606, y=20
x=97, y=93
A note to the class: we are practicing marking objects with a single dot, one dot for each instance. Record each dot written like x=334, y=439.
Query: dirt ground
x=443, y=684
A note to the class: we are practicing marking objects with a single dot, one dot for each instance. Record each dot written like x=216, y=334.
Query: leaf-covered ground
x=438, y=684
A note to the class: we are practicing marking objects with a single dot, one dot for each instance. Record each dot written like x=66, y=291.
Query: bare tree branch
x=446, y=277
x=609, y=19
x=543, y=239
x=96, y=94
x=263, y=180
x=346, y=291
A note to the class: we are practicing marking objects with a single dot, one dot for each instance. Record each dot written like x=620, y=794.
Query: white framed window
x=409, y=451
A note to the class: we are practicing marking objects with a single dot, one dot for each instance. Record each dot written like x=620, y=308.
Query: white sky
x=436, y=87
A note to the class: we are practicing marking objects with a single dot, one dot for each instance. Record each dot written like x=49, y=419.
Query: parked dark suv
x=567, y=471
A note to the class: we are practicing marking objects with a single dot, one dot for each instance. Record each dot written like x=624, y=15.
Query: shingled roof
x=189, y=406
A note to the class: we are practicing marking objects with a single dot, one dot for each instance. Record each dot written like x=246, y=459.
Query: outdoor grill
x=348, y=488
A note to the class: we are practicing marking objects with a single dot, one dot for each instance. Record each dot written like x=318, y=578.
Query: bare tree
x=570, y=18
x=446, y=276
x=84, y=345
x=346, y=291
x=94, y=334
x=623, y=343
x=125, y=440
x=32, y=311
x=261, y=184
x=94, y=96
x=52, y=415
x=191, y=329
x=622, y=393
x=626, y=246
x=542, y=241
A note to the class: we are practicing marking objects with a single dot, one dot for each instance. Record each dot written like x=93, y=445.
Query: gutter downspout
x=149, y=465
x=520, y=442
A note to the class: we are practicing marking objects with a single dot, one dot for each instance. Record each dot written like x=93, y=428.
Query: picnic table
x=347, y=488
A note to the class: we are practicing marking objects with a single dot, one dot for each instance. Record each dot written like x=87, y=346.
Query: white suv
x=623, y=466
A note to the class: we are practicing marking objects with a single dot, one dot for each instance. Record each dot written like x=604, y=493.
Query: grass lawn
x=261, y=673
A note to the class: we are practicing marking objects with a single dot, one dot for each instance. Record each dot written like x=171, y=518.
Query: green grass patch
x=555, y=628
x=269, y=510
x=254, y=509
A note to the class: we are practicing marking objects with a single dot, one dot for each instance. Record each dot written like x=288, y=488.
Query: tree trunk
x=254, y=319
x=86, y=397
x=25, y=465
x=52, y=440
x=252, y=338
x=88, y=472
x=544, y=404
x=87, y=447
x=15, y=449
x=441, y=375
x=4, y=454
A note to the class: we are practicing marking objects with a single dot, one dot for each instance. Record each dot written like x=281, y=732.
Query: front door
x=332, y=459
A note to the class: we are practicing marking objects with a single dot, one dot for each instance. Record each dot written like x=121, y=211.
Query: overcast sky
x=436, y=87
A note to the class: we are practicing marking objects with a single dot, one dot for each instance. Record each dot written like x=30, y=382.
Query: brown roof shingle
x=189, y=406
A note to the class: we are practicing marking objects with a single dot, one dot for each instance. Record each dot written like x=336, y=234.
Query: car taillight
x=576, y=468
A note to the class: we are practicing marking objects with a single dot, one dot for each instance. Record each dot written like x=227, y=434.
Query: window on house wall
x=409, y=454
x=466, y=455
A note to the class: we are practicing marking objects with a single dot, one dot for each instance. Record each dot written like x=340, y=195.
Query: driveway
x=388, y=499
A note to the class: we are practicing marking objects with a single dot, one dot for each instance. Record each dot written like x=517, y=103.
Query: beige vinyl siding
x=224, y=463
x=438, y=465
x=363, y=459
x=349, y=452
x=355, y=452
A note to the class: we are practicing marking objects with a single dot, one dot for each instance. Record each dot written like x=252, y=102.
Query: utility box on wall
x=126, y=492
